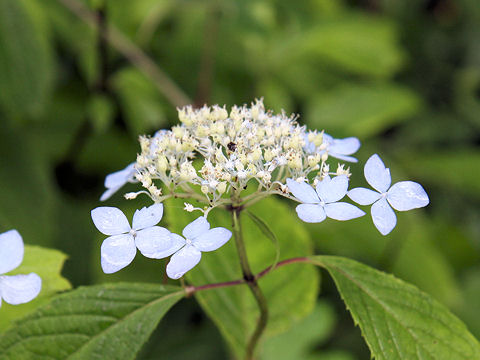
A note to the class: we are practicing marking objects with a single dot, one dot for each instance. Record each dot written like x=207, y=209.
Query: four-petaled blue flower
x=337, y=148
x=120, y=248
x=198, y=238
x=322, y=203
x=15, y=289
x=114, y=181
x=402, y=196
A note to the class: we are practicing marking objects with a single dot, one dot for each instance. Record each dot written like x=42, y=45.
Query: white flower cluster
x=212, y=156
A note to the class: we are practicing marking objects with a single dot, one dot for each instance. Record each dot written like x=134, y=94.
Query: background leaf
x=26, y=85
x=104, y=321
x=410, y=326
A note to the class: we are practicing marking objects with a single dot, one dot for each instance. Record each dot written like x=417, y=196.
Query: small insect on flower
x=198, y=238
x=114, y=181
x=402, y=196
x=15, y=289
x=322, y=203
x=120, y=248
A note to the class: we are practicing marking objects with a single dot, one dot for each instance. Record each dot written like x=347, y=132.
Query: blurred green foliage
x=403, y=76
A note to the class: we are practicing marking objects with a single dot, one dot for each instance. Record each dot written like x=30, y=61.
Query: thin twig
x=133, y=53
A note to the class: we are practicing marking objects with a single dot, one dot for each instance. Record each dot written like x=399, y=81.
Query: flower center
x=188, y=242
x=133, y=233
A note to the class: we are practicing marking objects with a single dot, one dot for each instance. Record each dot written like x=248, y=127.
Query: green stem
x=252, y=283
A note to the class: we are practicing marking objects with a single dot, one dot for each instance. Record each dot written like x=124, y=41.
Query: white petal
x=343, y=157
x=110, y=220
x=363, y=196
x=331, y=190
x=19, y=289
x=407, y=195
x=182, y=261
x=120, y=178
x=347, y=146
x=212, y=239
x=147, y=216
x=343, y=211
x=302, y=191
x=376, y=174
x=383, y=216
x=11, y=251
x=157, y=242
x=117, y=252
x=196, y=228
x=311, y=213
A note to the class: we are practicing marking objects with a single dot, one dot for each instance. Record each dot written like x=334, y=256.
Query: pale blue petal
x=343, y=157
x=196, y=228
x=363, y=196
x=383, y=216
x=327, y=139
x=302, y=191
x=11, y=251
x=120, y=178
x=347, y=146
x=20, y=289
x=331, y=190
x=376, y=174
x=109, y=192
x=311, y=213
x=117, y=252
x=157, y=242
x=212, y=239
x=182, y=261
x=110, y=220
x=147, y=216
x=407, y=195
x=342, y=211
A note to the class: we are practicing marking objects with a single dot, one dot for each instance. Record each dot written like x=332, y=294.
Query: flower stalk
x=251, y=281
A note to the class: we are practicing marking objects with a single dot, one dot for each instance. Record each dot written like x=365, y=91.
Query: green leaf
x=299, y=341
x=110, y=321
x=357, y=43
x=291, y=291
x=265, y=229
x=397, y=320
x=363, y=110
x=140, y=101
x=25, y=58
x=46, y=263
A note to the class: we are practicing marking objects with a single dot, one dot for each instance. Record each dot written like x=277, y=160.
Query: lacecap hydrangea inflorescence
x=213, y=154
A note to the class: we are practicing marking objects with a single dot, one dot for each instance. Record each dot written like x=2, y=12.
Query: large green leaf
x=362, y=110
x=397, y=320
x=97, y=322
x=46, y=263
x=291, y=291
x=25, y=58
x=360, y=44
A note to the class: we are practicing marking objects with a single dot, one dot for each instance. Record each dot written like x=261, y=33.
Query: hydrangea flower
x=15, y=289
x=119, y=249
x=198, y=238
x=337, y=148
x=114, y=181
x=322, y=203
x=402, y=196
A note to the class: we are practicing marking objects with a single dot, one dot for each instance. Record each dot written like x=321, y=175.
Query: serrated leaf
x=46, y=263
x=25, y=58
x=110, y=321
x=397, y=320
x=291, y=291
